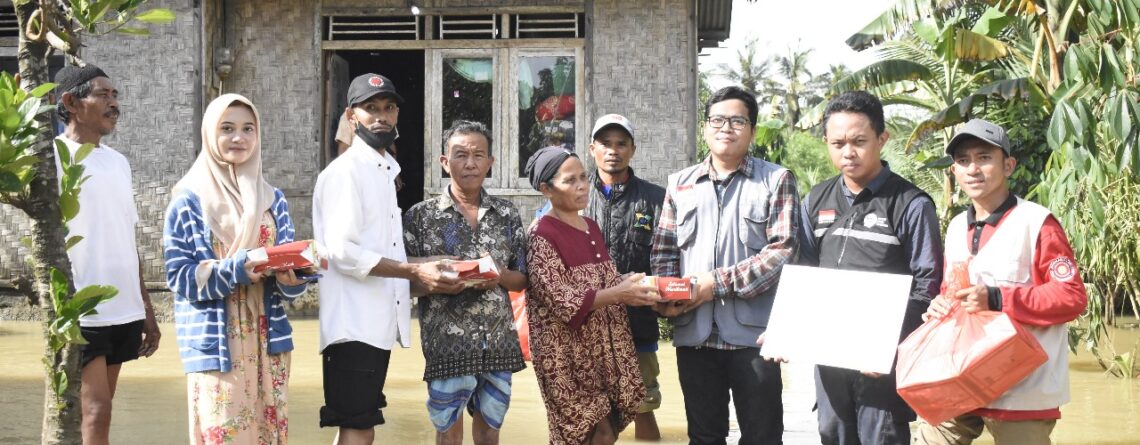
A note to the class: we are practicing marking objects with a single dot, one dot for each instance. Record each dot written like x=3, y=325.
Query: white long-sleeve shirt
x=357, y=220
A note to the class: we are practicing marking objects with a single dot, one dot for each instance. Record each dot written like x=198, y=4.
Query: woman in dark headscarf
x=583, y=349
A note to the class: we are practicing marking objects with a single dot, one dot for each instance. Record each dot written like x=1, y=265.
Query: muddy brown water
x=150, y=407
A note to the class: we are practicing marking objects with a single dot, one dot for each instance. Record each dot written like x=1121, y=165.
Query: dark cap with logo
x=364, y=86
x=987, y=131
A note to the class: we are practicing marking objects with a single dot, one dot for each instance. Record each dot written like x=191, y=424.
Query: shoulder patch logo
x=1062, y=269
x=826, y=216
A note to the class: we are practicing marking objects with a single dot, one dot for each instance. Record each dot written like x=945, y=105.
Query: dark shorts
x=119, y=343
x=354, y=375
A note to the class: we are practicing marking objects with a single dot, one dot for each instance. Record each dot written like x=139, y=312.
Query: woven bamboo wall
x=157, y=77
x=374, y=4
x=649, y=76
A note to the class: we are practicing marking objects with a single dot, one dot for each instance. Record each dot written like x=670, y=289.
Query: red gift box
x=294, y=255
x=472, y=272
x=672, y=288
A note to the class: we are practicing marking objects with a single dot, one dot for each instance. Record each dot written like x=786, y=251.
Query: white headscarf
x=233, y=197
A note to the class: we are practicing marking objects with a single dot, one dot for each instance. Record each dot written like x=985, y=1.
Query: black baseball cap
x=364, y=86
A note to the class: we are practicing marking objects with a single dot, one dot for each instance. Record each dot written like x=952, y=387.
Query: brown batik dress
x=585, y=360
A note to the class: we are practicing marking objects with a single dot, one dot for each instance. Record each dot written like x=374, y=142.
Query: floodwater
x=150, y=407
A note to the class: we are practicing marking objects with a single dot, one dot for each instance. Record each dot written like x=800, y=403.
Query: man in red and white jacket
x=1020, y=263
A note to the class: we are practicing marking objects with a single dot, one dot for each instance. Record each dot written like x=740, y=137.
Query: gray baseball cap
x=981, y=129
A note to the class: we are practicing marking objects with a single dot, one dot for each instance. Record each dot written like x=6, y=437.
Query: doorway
x=405, y=68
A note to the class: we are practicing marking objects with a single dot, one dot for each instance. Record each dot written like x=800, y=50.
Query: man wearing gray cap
x=123, y=329
x=364, y=295
x=1019, y=263
x=626, y=208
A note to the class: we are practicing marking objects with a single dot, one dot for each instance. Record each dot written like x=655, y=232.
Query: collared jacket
x=200, y=308
x=627, y=219
x=891, y=226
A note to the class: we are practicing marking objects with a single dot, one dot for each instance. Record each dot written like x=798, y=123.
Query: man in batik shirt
x=469, y=339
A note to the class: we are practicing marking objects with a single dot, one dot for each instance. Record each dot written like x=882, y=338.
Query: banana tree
x=1092, y=180
x=1073, y=62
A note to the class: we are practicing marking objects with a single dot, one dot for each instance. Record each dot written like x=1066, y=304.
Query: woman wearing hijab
x=580, y=339
x=233, y=335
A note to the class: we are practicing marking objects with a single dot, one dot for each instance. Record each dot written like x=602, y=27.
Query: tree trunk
x=62, y=415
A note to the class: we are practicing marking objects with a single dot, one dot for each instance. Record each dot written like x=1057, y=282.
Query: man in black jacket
x=868, y=218
x=626, y=208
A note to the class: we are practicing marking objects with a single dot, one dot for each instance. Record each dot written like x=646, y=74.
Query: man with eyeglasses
x=871, y=219
x=730, y=221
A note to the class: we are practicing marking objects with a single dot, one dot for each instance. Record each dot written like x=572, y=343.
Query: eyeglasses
x=737, y=122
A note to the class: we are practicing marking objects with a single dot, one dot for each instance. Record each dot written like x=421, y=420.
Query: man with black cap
x=1020, y=263
x=124, y=326
x=364, y=295
x=626, y=208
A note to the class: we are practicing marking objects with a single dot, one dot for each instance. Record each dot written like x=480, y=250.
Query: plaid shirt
x=754, y=275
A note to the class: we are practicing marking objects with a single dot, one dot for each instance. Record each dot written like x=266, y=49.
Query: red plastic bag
x=959, y=363
x=518, y=304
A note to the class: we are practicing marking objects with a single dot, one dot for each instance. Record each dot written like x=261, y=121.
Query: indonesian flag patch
x=1062, y=269
x=826, y=216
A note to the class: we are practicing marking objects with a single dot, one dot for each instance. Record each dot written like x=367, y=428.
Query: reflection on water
x=150, y=406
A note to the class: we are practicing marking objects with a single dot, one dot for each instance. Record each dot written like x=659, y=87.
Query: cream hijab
x=233, y=197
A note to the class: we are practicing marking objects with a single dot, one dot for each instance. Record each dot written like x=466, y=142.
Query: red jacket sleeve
x=1057, y=294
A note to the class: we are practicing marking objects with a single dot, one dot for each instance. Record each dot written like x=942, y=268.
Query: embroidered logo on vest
x=1062, y=269
x=873, y=220
x=643, y=221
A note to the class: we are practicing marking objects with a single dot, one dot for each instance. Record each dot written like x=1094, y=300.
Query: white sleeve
x=337, y=199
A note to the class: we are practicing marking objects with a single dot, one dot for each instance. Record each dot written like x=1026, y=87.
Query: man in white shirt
x=365, y=296
x=123, y=327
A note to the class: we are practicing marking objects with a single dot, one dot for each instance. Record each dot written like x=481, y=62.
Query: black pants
x=708, y=374
x=858, y=410
x=354, y=374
